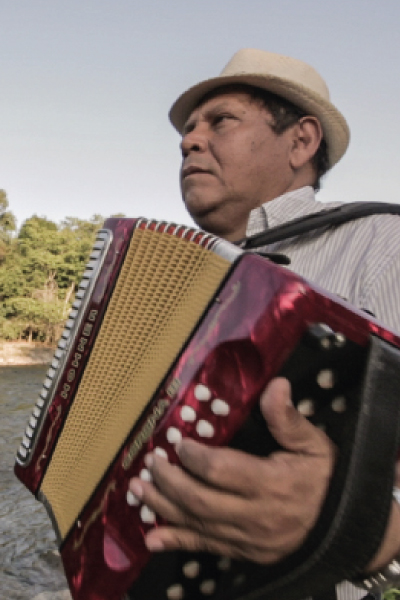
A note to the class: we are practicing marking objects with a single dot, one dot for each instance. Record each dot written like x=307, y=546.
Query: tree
x=7, y=225
x=40, y=273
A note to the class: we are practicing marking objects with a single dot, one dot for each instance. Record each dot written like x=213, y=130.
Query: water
x=30, y=567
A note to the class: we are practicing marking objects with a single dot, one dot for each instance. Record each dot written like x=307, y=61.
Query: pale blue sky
x=87, y=85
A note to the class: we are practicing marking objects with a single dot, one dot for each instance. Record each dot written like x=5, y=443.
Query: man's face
x=232, y=162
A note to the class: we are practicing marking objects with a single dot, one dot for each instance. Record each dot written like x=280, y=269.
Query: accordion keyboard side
x=163, y=288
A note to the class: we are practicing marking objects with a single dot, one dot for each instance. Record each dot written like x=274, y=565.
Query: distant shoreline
x=24, y=354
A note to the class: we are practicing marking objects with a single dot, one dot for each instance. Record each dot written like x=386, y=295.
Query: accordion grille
x=162, y=290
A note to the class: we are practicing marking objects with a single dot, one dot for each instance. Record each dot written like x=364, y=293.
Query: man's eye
x=218, y=119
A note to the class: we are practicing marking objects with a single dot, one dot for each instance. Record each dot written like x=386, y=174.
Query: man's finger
x=222, y=468
x=174, y=538
x=290, y=429
x=182, y=499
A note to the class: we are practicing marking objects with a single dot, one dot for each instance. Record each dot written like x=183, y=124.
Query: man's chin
x=205, y=217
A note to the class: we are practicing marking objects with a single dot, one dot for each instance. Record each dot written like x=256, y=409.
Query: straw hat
x=286, y=77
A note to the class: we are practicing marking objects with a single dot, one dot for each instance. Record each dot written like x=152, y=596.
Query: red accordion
x=175, y=333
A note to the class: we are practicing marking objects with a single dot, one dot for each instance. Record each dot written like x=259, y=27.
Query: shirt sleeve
x=384, y=296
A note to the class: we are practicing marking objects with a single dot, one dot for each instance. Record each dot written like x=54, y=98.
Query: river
x=30, y=567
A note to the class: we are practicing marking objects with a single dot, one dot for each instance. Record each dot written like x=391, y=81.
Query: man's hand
x=237, y=505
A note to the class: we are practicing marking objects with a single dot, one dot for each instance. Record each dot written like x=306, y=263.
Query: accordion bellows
x=162, y=288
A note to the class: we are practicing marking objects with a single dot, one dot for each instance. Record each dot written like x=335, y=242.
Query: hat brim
x=334, y=126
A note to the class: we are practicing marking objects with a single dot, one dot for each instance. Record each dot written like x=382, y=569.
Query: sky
x=86, y=86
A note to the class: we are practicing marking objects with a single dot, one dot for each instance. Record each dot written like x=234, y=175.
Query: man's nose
x=194, y=141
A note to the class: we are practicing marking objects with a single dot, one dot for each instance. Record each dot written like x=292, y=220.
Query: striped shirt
x=359, y=261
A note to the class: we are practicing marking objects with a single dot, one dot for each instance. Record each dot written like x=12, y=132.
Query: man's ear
x=307, y=136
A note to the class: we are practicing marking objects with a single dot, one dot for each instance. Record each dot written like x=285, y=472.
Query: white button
x=205, y=429
x=147, y=515
x=145, y=475
x=326, y=379
x=131, y=499
x=339, y=404
x=224, y=564
x=220, y=407
x=188, y=414
x=174, y=436
x=208, y=587
x=175, y=592
x=306, y=407
x=161, y=452
x=191, y=569
x=202, y=393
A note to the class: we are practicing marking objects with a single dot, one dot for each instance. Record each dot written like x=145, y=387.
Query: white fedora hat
x=286, y=77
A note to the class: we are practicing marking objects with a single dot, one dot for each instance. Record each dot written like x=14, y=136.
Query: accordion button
x=174, y=436
x=208, y=587
x=220, y=407
x=131, y=499
x=202, y=393
x=224, y=564
x=205, y=429
x=188, y=414
x=326, y=379
x=175, y=592
x=339, y=404
x=147, y=515
x=191, y=569
x=306, y=407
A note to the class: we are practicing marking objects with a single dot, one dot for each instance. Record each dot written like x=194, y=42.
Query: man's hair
x=285, y=114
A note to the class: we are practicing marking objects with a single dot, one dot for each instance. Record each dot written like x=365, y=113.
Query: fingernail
x=136, y=488
x=149, y=460
x=154, y=545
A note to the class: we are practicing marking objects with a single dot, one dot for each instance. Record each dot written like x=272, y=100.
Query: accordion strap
x=325, y=218
x=356, y=511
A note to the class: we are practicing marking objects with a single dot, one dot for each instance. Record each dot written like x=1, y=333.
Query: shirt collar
x=284, y=208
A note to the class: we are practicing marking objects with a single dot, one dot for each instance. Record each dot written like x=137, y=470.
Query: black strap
x=330, y=594
x=328, y=217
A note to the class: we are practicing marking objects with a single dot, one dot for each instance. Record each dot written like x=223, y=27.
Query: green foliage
x=40, y=269
x=7, y=225
x=393, y=594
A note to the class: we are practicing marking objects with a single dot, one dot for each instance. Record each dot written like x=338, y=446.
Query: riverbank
x=24, y=354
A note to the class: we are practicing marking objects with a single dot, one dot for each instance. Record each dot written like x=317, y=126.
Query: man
x=255, y=142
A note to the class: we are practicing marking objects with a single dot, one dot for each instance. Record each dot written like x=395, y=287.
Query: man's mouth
x=193, y=170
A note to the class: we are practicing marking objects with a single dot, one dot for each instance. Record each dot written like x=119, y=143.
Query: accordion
x=175, y=333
